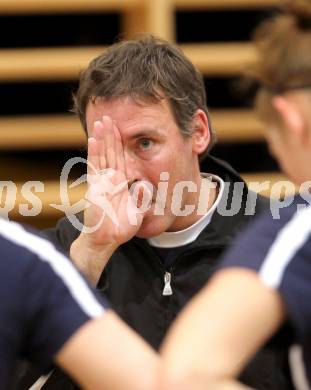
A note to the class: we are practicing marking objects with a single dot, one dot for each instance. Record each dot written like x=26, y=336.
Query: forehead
x=128, y=113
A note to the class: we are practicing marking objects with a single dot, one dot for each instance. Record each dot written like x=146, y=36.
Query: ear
x=290, y=114
x=201, y=136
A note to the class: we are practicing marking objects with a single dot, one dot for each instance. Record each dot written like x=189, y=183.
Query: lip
x=140, y=192
x=150, y=209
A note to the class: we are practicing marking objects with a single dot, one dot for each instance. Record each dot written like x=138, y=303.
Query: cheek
x=174, y=160
x=280, y=153
x=272, y=149
x=274, y=143
x=156, y=170
x=164, y=171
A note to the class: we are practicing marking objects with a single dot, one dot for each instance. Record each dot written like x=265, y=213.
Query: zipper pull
x=167, y=290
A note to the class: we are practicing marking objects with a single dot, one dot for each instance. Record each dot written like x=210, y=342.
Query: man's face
x=152, y=144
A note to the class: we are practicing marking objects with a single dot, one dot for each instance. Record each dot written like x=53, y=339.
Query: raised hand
x=111, y=217
x=111, y=214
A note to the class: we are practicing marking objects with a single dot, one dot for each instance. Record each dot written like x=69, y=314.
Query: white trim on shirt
x=297, y=368
x=288, y=241
x=62, y=267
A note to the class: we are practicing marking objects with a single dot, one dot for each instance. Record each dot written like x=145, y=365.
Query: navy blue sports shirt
x=279, y=250
x=43, y=300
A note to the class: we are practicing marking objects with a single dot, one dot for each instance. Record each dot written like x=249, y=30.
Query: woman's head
x=283, y=101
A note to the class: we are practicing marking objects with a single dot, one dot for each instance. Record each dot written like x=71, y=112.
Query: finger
x=120, y=163
x=109, y=142
x=98, y=132
x=92, y=157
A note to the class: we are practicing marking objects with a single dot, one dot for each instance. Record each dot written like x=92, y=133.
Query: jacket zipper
x=167, y=290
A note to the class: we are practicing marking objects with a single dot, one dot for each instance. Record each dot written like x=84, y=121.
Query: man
x=145, y=102
x=48, y=312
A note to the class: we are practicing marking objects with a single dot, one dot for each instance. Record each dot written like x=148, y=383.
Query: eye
x=145, y=144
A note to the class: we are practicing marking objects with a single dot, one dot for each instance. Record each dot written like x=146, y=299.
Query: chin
x=152, y=227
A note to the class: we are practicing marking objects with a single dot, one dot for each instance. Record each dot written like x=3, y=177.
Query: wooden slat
x=221, y=4
x=51, y=195
x=66, y=63
x=41, y=132
x=273, y=179
x=60, y=6
x=221, y=59
x=74, y=6
x=156, y=17
x=64, y=131
x=45, y=64
x=237, y=126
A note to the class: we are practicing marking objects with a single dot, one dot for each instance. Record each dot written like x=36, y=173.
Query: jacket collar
x=221, y=230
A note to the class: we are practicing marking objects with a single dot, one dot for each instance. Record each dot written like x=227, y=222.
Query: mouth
x=142, y=193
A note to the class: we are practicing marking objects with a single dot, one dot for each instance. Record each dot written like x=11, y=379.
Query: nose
x=133, y=168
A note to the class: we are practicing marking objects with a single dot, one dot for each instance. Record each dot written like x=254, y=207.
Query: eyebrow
x=148, y=133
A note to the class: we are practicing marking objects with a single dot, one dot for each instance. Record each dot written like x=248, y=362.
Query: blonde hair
x=284, y=55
